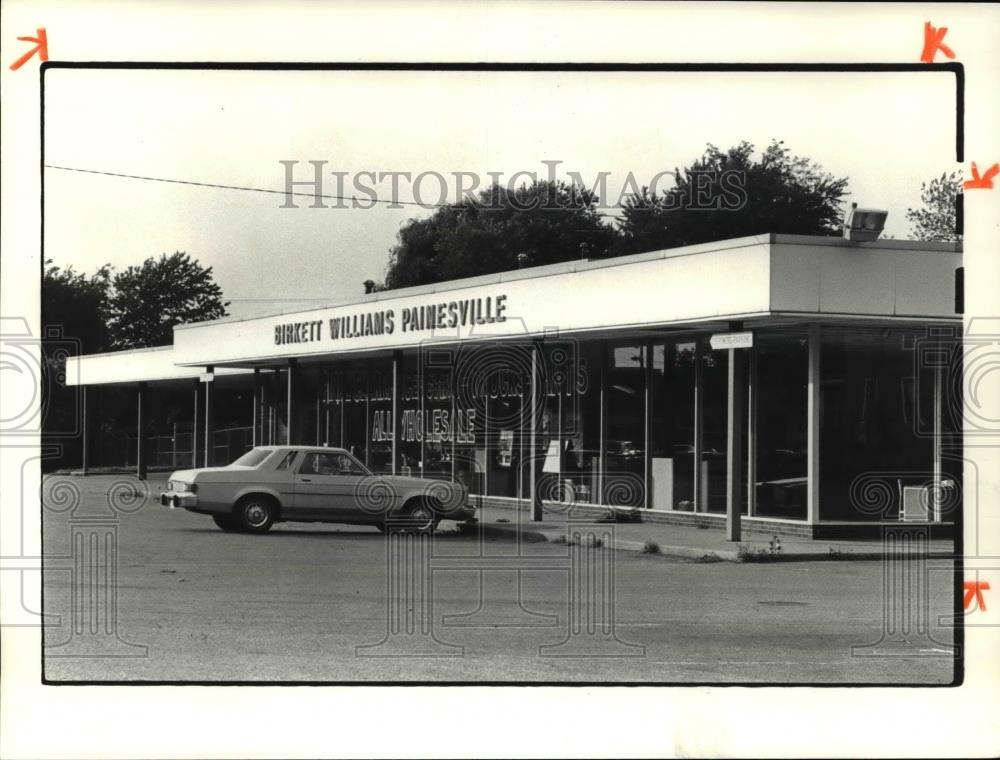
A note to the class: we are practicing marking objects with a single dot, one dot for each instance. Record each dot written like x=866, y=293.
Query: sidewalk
x=678, y=541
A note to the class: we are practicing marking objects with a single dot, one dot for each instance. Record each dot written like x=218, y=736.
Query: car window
x=319, y=463
x=253, y=457
x=350, y=464
x=286, y=461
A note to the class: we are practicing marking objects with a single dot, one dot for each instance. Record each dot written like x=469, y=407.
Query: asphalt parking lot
x=330, y=603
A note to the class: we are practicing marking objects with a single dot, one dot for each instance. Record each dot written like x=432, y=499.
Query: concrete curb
x=654, y=549
x=558, y=536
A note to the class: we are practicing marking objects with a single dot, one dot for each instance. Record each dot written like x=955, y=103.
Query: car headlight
x=180, y=487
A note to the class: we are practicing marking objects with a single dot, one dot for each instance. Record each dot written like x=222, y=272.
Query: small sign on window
x=732, y=340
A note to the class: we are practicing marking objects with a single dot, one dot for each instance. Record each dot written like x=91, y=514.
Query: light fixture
x=864, y=224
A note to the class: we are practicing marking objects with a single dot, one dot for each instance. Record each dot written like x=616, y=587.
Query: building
x=811, y=380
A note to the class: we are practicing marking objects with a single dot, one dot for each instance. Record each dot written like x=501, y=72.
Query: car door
x=325, y=486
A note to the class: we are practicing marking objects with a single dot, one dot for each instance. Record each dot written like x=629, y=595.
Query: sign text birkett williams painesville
x=434, y=316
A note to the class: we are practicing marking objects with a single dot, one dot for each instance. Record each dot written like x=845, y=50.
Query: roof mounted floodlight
x=864, y=224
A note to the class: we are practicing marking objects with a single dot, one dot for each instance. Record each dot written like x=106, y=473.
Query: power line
x=234, y=187
x=262, y=189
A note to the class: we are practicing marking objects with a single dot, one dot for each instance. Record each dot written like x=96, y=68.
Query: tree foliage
x=546, y=221
x=134, y=308
x=936, y=220
x=75, y=305
x=147, y=300
x=720, y=195
x=728, y=194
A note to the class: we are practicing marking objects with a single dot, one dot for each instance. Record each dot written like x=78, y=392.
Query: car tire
x=228, y=523
x=419, y=518
x=256, y=514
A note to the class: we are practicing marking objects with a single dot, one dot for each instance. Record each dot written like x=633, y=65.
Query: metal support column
x=271, y=391
x=86, y=432
x=397, y=360
x=936, y=490
x=486, y=443
x=751, y=434
x=698, y=494
x=194, y=427
x=208, y=418
x=343, y=403
x=534, y=443
x=328, y=403
x=735, y=459
x=319, y=410
x=812, y=427
x=602, y=453
x=255, y=434
x=289, y=404
x=647, y=477
x=140, y=462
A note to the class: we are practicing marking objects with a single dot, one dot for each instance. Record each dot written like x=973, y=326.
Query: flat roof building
x=808, y=381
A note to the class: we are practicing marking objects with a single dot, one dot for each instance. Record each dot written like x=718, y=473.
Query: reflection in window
x=380, y=422
x=495, y=384
x=781, y=388
x=715, y=418
x=671, y=477
x=307, y=386
x=409, y=427
x=438, y=411
x=572, y=420
x=355, y=423
x=867, y=420
x=626, y=426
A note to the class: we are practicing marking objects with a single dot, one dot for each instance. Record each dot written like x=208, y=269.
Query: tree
x=73, y=322
x=728, y=194
x=542, y=223
x=149, y=299
x=937, y=219
x=76, y=305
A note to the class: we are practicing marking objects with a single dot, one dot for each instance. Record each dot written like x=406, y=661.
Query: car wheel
x=420, y=518
x=256, y=514
x=227, y=522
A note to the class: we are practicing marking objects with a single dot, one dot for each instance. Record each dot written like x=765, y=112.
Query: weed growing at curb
x=651, y=547
x=746, y=553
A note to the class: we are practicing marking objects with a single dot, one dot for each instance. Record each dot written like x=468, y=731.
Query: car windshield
x=253, y=458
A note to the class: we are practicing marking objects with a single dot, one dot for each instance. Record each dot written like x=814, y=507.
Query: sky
x=887, y=132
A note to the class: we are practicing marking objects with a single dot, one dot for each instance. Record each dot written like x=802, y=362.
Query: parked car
x=272, y=484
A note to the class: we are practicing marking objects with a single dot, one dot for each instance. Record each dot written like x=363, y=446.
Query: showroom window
x=625, y=426
x=672, y=440
x=873, y=422
x=781, y=424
